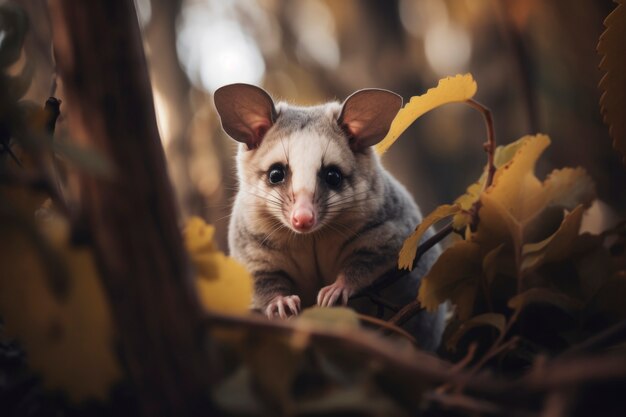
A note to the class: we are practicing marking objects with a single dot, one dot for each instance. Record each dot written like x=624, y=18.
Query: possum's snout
x=303, y=214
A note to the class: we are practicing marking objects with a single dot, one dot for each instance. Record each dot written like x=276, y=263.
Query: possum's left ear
x=367, y=115
x=247, y=112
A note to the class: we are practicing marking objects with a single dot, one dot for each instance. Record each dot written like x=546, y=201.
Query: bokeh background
x=535, y=63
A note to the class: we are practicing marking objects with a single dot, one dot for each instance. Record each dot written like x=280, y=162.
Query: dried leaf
x=613, y=84
x=449, y=90
x=455, y=277
x=544, y=296
x=488, y=319
x=409, y=248
x=223, y=284
x=555, y=247
x=70, y=342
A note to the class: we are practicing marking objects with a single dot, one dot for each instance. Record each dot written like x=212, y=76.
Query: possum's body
x=309, y=236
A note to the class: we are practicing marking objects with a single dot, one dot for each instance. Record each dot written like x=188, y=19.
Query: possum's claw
x=339, y=291
x=283, y=306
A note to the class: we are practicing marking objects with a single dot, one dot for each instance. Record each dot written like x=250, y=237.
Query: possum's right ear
x=247, y=112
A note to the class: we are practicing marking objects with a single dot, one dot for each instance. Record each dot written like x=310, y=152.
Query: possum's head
x=307, y=167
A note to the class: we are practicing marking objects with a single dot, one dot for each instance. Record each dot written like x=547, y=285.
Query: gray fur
x=363, y=225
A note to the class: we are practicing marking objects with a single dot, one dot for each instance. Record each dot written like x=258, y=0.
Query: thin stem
x=406, y=313
x=388, y=326
x=394, y=274
x=490, y=145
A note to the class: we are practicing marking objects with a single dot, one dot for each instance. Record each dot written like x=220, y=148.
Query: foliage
x=524, y=282
x=223, y=284
x=449, y=90
x=613, y=84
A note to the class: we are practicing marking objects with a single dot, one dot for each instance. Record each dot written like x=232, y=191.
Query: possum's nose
x=303, y=216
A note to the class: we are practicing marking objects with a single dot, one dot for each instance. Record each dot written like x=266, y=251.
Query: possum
x=316, y=217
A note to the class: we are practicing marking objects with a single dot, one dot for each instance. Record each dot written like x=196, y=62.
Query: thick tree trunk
x=131, y=217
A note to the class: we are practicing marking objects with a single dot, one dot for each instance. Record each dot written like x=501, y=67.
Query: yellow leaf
x=496, y=226
x=449, y=90
x=569, y=187
x=223, y=284
x=498, y=261
x=455, y=277
x=68, y=340
x=230, y=291
x=555, y=247
x=199, y=237
x=613, y=100
x=517, y=198
x=502, y=155
x=407, y=253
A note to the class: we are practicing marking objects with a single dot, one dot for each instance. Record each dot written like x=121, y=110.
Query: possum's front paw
x=339, y=291
x=283, y=306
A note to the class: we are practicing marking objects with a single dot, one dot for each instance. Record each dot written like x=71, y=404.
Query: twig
x=467, y=359
x=557, y=404
x=606, y=338
x=8, y=149
x=380, y=301
x=393, y=274
x=496, y=348
x=460, y=365
x=406, y=313
x=388, y=326
x=475, y=405
x=490, y=148
x=490, y=145
x=558, y=374
x=53, y=111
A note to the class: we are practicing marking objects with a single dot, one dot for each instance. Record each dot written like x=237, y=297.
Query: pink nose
x=303, y=218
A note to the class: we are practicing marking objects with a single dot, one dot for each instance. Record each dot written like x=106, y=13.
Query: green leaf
x=330, y=318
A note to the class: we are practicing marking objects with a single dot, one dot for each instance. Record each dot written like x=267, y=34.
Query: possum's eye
x=276, y=174
x=333, y=177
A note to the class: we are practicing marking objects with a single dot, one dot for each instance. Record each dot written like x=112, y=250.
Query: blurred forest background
x=535, y=62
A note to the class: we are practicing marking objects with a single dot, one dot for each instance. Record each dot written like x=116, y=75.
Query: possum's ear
x=247, y=112
x=367, y=115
